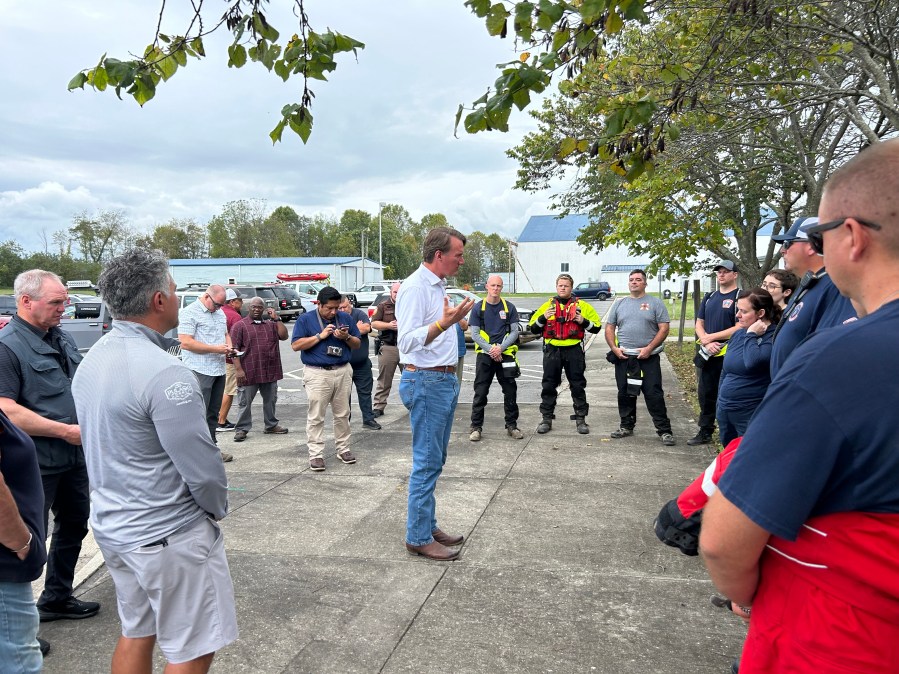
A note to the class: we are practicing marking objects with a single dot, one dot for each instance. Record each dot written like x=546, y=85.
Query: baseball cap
x=796, y=232
x=724, y=264
x=231, y=294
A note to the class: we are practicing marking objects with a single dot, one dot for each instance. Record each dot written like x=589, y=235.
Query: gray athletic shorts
x=180, y=592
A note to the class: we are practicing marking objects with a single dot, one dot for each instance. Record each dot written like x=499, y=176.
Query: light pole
x=381, y=206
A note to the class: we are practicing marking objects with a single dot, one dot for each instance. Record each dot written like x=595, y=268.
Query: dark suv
x=289, y=306
x=247, y=292
x=599, y=290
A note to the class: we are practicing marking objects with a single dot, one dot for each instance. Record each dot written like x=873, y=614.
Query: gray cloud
x=383, y=126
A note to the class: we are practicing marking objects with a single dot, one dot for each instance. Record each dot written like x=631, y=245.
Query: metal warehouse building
x=347, y=273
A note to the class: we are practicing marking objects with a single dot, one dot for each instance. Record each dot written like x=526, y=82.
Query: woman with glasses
x=746, y=370
x=781, y=284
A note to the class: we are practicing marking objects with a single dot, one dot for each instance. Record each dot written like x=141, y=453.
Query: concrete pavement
x=560, y=572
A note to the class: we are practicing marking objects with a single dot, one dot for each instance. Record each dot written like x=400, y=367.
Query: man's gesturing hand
x=452, y=315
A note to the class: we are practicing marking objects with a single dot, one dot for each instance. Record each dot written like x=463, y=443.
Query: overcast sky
x=383, y=126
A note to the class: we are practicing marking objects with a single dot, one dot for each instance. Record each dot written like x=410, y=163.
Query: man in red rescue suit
x=563, y=321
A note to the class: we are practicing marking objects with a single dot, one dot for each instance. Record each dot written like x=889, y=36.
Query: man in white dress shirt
x=428, y=387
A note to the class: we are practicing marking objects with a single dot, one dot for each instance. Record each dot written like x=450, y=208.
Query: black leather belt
x=327, y=367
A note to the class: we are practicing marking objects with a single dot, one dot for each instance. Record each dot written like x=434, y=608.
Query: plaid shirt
x=262, y=360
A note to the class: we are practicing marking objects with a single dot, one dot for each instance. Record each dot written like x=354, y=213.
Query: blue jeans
x=19, y=651
x=431, y=399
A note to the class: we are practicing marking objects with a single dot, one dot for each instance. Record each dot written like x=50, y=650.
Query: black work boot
x=544, y=426
x=582, y=426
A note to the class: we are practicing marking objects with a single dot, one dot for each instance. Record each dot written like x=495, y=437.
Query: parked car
x=7, y=305
x=289, y=305
x=368, y=293
x=89, y=321
x=599, y=290
x=312, y=288
x=309, y=302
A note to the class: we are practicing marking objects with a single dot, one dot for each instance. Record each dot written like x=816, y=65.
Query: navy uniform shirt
x=821, y=307
x=308, y=325
x=719, y=311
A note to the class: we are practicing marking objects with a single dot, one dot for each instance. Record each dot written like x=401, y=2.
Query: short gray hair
x=30, y=283
x=130, y=280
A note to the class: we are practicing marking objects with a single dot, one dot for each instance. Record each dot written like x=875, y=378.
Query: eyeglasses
x=216, y=306
x=770, y=286
x=816, y=232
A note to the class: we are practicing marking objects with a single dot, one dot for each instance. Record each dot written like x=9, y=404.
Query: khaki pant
x=388, y=364
x=323, y=388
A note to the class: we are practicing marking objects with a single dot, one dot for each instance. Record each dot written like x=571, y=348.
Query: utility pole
x=381, y=206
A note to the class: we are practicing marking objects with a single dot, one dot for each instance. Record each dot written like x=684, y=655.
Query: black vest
x=47, y=388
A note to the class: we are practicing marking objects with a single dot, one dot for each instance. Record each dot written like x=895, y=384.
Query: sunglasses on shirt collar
x=816, y=232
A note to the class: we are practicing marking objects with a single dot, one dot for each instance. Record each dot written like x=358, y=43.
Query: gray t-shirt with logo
x=637, y=320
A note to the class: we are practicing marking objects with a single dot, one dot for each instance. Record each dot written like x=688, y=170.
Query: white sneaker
x=475, y=435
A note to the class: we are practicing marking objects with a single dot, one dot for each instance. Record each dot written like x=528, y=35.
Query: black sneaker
x=668, y=439
x=544, y=426
x=371, y=425
x=621, y=432
x=378, y=413
x=70, y=609
x=701, y=438
x=225, y=427
x=44, y=646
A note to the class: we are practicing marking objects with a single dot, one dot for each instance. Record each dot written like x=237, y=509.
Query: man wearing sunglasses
x=203, y=333
x=804, y=528
x=815, y=304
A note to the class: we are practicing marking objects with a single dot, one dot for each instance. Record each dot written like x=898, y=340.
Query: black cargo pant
x=485, y=369
x=651, y=388
x=571, y=361
x=708, y=378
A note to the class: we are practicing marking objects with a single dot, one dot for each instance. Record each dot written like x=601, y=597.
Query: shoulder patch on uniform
x=727, y=304
x=794, y=314
x=180, y=392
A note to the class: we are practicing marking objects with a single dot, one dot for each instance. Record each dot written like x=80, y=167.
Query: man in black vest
x=37, y=363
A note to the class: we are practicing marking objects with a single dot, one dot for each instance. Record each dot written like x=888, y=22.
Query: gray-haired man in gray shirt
x=158, y=484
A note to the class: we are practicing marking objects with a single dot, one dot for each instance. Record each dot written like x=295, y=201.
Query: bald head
x=867, y=187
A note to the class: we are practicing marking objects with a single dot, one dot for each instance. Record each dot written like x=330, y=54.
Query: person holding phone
x=325, y=337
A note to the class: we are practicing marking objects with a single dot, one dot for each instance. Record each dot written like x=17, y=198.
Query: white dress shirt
x=420, y=303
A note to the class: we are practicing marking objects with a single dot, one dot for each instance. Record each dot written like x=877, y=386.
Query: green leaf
x=554, y=10
x=144, y=89
x=301, y=123
x=584, y=38
x=614, y=23
x=100, y=78
x=496, y=20
x=636, y=170
x=263, y=27
x=275, y=135
x=77, y=82
x=121, y=73
x=523, y=20
x=167, y=66
x=560, y=38
x=673, y=131
x=480, y=7
x=180, y=56
x=197, y=45
x=282, y=70
x=567, y=146
x=521, y=98
x=614, y=123
x=591, y=10
x=476, y=121
x=458, y=118
x=237, y=56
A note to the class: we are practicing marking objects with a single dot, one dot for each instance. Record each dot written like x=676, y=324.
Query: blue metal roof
x=264, y=260
x=553, y=228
